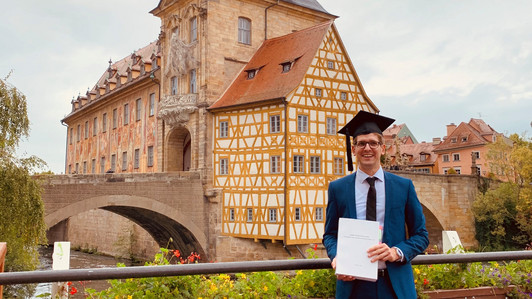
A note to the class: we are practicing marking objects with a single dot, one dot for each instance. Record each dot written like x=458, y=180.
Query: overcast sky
x=424, y=63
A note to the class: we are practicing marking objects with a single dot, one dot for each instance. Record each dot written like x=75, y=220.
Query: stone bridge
x=178, y=207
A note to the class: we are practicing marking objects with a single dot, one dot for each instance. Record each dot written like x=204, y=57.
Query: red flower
x=315, y=247
x=73, y=291
x=177, y=253
x=425, y=281
x=69, y=283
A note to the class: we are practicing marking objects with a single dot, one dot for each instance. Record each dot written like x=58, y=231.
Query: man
x=387, y=198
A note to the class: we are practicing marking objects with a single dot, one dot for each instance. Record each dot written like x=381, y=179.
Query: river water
x=78, y=260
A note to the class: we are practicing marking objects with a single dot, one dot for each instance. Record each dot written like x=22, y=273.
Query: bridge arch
x=432, y=223
x=161, y=221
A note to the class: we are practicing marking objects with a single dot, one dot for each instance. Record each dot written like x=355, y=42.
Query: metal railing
x=233, y=267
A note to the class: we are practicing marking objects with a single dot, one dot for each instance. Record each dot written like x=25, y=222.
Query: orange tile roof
x=270, y=82
x=474, y=133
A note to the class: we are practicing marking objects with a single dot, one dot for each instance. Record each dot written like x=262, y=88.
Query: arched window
x=244, y=31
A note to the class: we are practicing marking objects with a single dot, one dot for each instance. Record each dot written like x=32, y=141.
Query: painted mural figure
x=380, y=196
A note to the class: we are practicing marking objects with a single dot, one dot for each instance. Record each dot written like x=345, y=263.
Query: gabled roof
x=415, y=151
x=270, y=82
x=474, y=133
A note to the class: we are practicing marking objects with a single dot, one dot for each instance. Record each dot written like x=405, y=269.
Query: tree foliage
x=22, y=224
x=503, y=214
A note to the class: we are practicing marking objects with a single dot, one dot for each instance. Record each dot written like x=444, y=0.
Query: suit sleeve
x=415, y=221
x=330, y=235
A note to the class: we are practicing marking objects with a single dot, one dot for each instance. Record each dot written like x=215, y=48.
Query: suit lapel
x=388, y=191
x=352, y=202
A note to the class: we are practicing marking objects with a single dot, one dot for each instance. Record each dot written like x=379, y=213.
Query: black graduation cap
x=363, y=123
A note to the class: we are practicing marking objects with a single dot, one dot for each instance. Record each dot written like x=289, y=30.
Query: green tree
x=22, y=224
x=503, y=214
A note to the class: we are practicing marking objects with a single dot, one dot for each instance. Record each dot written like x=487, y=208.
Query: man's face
x=368, y=158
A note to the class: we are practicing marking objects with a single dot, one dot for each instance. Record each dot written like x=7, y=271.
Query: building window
x=124, y=161
x=86, y=129
x=173, y=85
x=84, y=167
x=338, y=166
x=224, y=129
x=302, y=124
x=193, y=29
x=102, y=165
x=231, y=214
x=244, y=31
x=95, y=127
x=150, y=156
x=343, y=95
x=249, y=215
x=113, y=163
x=224, y=166
x=152, y=104
x=422, y=157
x=115, y=118
x=275, y=123
x=319, y=214
x=138, y=106
x=317, y=92
x=137, y=158
x=126, y=114
x=478, y=170
x=287, y=66
x=104, y=122
x=331, y=126
x=71, y=135
x=251, y=74
x=77, y=168
x=330, y=65
x=445, y=158
x=453, y=140
x=458, y=170
x=299, y=164
x=275, y=164
x=297, y=214
x=78, y=137
x=456, y=157
x=315, y=165
x=69, y=168
x=93, y=166
x=272, y=215
x=464, y=139
x=476, y=155
x=193, y=86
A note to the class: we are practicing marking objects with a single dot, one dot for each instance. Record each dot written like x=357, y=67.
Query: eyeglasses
x=371, y=144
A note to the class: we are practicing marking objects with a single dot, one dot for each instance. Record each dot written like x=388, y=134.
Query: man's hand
x=382, y=252
x=341, y=276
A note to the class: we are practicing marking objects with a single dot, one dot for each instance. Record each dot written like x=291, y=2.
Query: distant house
x=464, y=148
x=419, y=157
x=400, y=132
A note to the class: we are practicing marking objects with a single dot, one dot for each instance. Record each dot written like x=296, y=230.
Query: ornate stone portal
x=176, y=109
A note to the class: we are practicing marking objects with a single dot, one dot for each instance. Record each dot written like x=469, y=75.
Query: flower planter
x=481, y=292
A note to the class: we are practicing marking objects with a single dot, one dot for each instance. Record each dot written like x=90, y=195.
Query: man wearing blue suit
x=373, y=194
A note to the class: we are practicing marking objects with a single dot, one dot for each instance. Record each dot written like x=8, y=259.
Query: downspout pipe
x=266, y=19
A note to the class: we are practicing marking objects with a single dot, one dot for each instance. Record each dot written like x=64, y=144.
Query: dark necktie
x=371, y=203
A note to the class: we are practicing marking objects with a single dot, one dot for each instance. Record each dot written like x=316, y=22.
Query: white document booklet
x=355, y=237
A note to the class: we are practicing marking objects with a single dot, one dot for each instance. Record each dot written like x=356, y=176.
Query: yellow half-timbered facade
x=276, y=146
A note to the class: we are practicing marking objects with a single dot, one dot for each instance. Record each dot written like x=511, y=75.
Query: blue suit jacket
x=404, y=227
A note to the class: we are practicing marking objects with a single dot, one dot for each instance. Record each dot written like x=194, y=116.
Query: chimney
x=450, y=129
x=436, y=140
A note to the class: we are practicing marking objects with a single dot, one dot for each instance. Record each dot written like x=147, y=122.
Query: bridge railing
x=233, y=267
